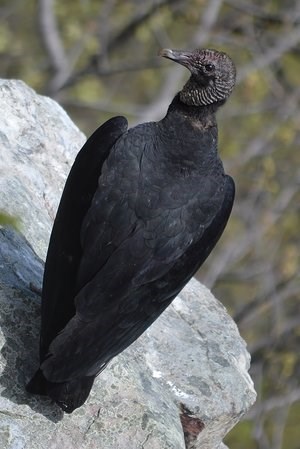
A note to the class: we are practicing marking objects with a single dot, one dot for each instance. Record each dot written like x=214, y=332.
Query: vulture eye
x=209, y=67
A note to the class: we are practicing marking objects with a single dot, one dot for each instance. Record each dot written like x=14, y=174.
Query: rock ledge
x=183, y=384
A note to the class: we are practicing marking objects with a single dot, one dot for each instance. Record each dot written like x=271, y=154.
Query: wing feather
x=64, y=252
x=128, y=293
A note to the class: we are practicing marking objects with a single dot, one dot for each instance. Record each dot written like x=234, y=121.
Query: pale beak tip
x=165, y=53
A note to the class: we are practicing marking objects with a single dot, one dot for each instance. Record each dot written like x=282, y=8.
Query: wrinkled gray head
x=212, y=78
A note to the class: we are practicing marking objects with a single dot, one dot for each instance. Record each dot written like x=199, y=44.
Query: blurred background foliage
x=99, y=59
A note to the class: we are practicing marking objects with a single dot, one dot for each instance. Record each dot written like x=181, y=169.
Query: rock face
x=183, y=384
x=38, y=144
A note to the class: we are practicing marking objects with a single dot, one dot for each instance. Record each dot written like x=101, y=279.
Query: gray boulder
x=183, y=384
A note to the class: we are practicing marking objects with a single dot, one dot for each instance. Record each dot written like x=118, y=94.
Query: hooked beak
x=182, y=57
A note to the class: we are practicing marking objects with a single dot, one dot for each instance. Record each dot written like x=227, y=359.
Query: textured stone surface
x=38, y=144
x=187, y=374
x=125, y=406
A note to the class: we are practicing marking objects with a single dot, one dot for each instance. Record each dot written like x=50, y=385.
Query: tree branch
x=53, y=43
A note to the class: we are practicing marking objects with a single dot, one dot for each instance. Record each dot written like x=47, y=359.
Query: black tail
x=38, y=384
x=68, y=395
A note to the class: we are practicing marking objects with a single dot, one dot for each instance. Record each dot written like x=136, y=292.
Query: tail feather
x=68, y=395
x=38, y=384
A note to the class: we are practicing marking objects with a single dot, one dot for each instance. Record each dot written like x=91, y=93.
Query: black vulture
x=141, y=210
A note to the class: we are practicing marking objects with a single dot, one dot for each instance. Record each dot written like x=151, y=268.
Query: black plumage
x=141, y=211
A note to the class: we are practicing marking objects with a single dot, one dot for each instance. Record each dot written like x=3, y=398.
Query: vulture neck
x=193, y=132
x=203, y=115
